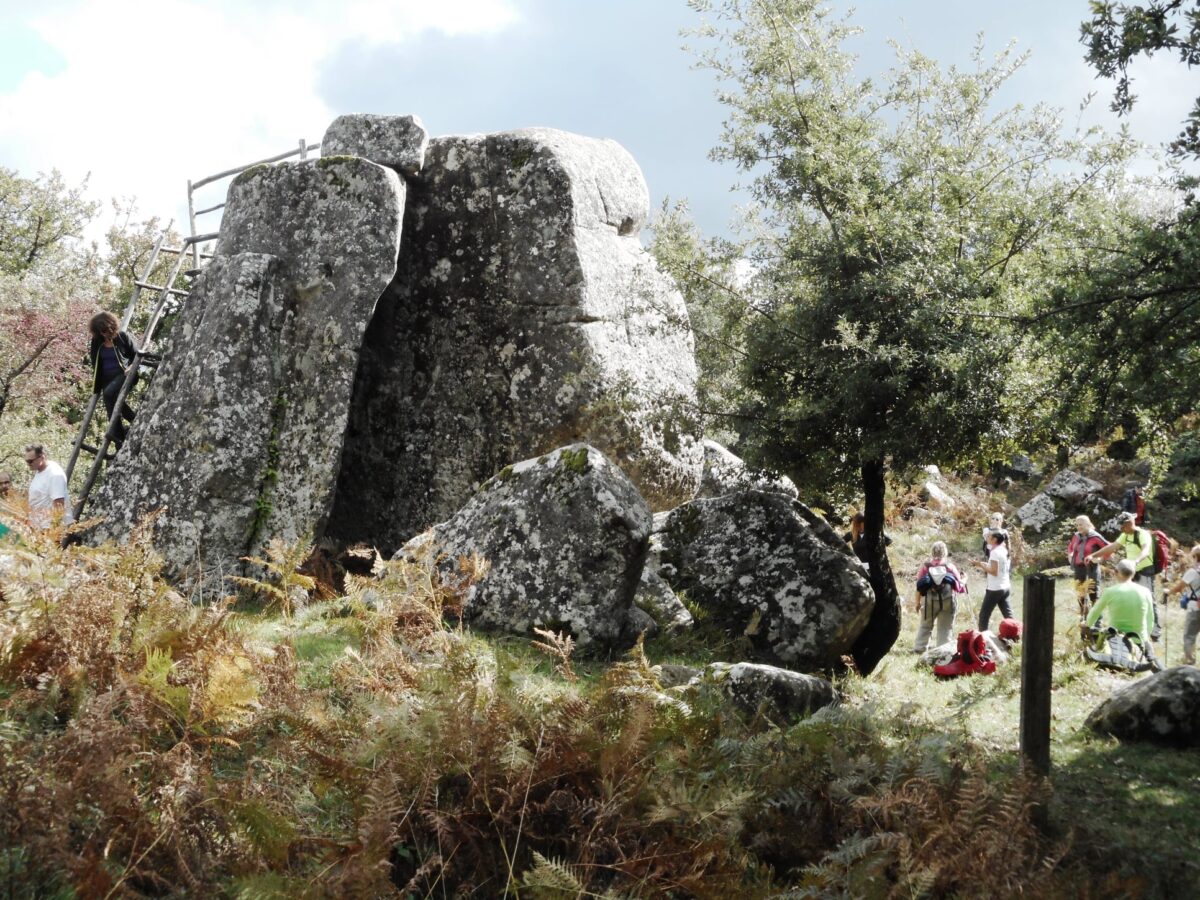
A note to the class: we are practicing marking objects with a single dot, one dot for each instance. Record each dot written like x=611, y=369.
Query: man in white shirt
x=47, y=490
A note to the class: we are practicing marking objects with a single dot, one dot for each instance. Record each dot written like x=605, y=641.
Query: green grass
x=1135, y=804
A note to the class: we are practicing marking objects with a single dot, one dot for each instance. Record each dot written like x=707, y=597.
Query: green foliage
x=41, y=219
x=901, y=228
x=1118, y=33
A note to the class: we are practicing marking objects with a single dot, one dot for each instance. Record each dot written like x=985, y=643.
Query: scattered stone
x=398, y=142
x=754, y=563
x=655, y=597
x=777, y=693
x=240, y=435
x=525, y=315
x=672, y=675
x=1163, y=708
x=565, y=538
x=1073, y=488
x=937, y=499
x=1037, y=513
x=725, y=472
x=932, y=471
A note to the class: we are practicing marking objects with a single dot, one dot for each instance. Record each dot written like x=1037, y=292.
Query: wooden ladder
x=164, y=292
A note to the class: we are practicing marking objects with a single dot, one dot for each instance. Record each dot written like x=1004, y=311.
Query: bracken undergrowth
x=150, y=746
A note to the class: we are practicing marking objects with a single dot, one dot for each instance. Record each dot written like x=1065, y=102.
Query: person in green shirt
x=5, y=488
x=1138, y=545
x=1126, y=605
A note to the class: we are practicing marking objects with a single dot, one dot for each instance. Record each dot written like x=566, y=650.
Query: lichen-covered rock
x=1037, y=513
x=565, y=537
x=759, y=569
x=777, y=693
x=725, y=472
x=240, y=434
x=525, y=315
x=1072, y=487
x=1163, y=708
x=398, y=142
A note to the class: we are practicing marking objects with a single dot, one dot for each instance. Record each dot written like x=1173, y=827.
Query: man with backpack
x=1140, y=548
x=1128, y=607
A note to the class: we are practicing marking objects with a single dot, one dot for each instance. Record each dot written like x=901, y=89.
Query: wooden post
x=1037, y=660
x=1037, y=663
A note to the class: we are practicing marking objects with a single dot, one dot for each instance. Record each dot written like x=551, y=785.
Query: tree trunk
x=884, y=625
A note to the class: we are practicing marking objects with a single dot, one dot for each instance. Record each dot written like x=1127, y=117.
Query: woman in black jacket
x=111, y=354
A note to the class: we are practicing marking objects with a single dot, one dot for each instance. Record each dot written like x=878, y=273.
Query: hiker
x=110, y=355
x=938, y=581
x=854, y=537
x=1188, y=587
x=1129, y=607
x=1133, y=501
x=1138, y=544
x=1086, y=539
x=47, y=490
x=999, y=585
x=995, y=523
x=5, y=490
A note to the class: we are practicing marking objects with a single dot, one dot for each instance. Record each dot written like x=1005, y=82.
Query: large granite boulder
x=240, y=434
x=565, y=536
x=525, y=315
x=726, y=472
x=1163, y=708
x=398, y=142
x=756, y=565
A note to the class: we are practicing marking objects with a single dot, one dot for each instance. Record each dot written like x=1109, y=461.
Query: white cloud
x=155, y=93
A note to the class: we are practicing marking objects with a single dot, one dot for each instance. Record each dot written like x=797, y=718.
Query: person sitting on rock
x=1127, y=606
x=938, y=584
x=1085, y=539
x=1138, y=544
x=1188, y=588
x=999, y=585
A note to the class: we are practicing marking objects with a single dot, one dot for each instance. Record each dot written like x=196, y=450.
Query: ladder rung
x=94, y=450
x=184, y=250
x=145, y=285
x=201, y=212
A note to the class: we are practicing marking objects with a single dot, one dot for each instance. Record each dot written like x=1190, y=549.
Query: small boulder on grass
x=752, y=688
x=779, y=694
x=1163, y=708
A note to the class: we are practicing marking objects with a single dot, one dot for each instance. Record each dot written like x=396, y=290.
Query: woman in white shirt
x=1189, y=587
x=999, y=586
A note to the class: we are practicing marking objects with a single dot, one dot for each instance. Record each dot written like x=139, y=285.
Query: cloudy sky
x=145, y=94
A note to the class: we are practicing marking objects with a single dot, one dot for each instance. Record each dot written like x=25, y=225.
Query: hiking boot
x=1155, y=634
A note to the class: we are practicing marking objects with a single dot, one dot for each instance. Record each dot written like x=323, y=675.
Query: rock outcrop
x=1038, y=512
x=565, y=536
x=1071, y=487
x=756, y=565
x=398, y=142
x=525, y=315
x=726, y=472
x=1163, y=708
x=239, y=437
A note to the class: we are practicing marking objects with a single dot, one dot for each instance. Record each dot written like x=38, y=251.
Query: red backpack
x=1161, y=551
x=971, y=659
